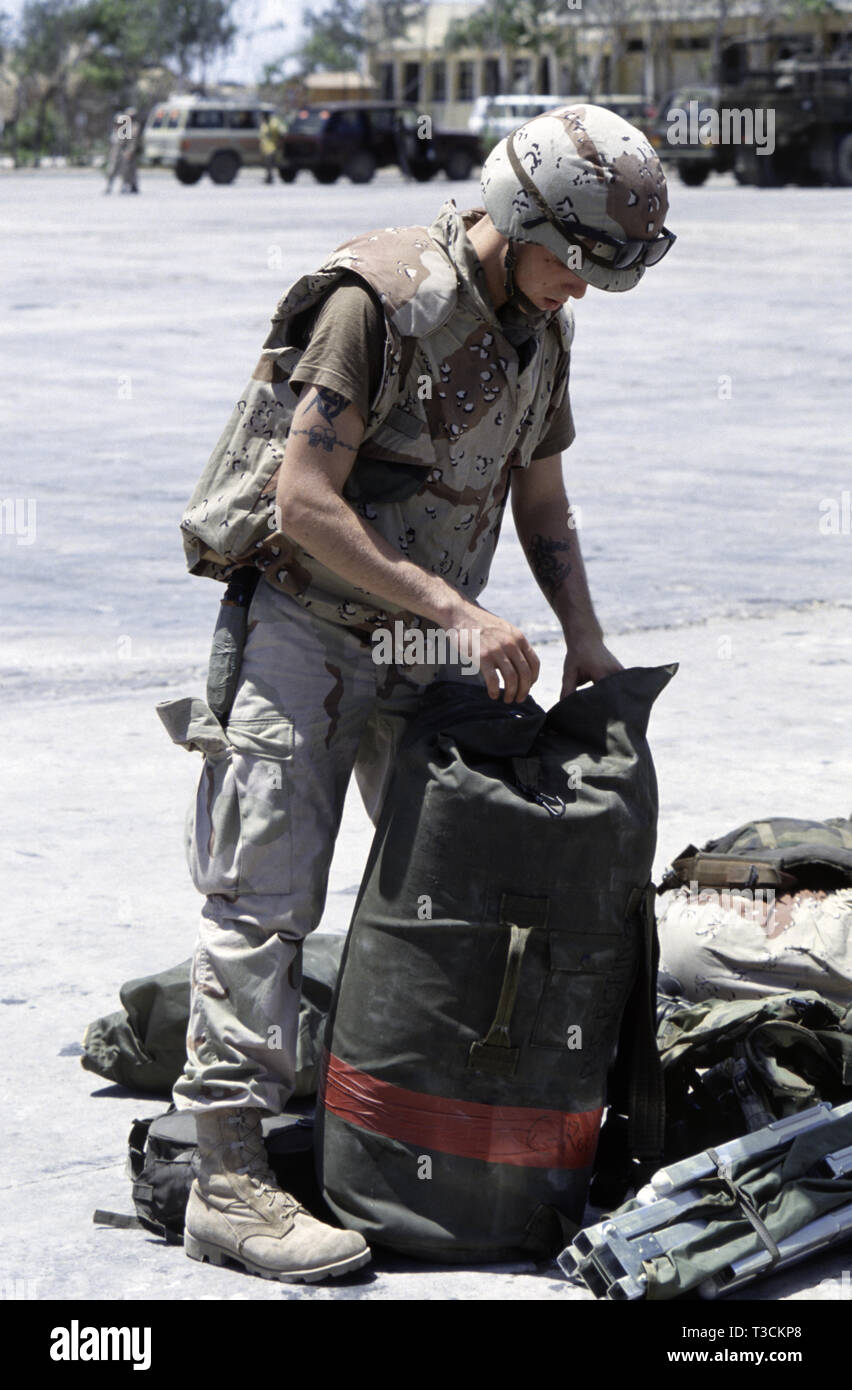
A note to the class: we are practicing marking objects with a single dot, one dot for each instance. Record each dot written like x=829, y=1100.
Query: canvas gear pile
x=734, y=1066
x=765, y=909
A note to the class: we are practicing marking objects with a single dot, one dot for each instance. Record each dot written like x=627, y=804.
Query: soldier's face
x=544, y=279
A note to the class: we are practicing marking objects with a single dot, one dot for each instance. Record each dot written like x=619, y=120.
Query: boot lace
x=249, y=1139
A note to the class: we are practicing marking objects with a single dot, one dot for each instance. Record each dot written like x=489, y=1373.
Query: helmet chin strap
x=515, y=298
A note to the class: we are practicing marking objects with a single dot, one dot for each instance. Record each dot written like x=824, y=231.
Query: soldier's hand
x=587, y=661
x=504, y=652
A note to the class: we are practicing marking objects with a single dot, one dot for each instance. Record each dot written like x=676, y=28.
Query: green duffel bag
x=505, y=919
x=143, y=1045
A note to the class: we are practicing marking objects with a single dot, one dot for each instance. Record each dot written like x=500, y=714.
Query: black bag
x=163, y=1160
x=503, y=922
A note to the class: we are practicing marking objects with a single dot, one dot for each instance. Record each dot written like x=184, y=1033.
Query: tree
x=538, y=27
x=51, y=42
x=77, y=59
x=131, y=35
x=198, y=31
x=512, y=24
x=341, y=34
x=335, y=39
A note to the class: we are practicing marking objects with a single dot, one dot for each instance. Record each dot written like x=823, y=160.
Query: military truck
x=809, y=98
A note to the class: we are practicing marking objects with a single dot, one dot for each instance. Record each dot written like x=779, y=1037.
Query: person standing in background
x=271, y=131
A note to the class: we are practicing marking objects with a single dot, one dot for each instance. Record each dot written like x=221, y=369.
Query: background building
x=646, y=47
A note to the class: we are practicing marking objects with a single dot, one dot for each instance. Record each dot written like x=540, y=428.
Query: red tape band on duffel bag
x=496, y=1133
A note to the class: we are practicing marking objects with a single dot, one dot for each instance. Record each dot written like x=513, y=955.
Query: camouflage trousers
x=311, y=706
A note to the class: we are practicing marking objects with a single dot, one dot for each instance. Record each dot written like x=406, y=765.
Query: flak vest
x=453, y=415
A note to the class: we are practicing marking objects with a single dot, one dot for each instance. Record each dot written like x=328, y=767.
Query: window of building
x=521, y=76
x=387, y=83
x=464, y=81
x=568, y=83
x=490, y=77
x=439, y=80
x=411, y=82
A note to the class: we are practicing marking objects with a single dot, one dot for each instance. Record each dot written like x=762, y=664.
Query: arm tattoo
x=550, y=572
x=324, y=437
x=330, y=404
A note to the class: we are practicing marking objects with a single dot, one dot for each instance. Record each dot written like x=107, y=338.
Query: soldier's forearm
x=328, y=528
x=549, y=538
x=324, y=438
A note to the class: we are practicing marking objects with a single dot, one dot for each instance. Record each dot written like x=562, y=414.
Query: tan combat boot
x=237, y=1211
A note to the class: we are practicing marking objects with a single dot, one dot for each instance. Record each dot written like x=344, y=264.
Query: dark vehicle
x=357, y=138
x=811, y=96
x=806, y=95
x=690, y=112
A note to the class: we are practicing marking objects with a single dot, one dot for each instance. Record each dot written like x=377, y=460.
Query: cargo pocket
x=585, y=993
x=238, y=830
x=260, y=749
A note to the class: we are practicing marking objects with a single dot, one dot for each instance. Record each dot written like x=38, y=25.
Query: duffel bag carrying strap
x=494, y=1052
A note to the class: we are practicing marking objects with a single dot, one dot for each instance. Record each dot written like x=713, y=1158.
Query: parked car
x=196, y=135
x=357, y=138
x=493, y=118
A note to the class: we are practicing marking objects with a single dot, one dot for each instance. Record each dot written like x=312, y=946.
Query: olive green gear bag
x=780, y=852
x=143, y=1045
x=503, y=933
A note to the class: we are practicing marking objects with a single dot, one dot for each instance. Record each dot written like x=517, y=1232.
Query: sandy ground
x=688, y=560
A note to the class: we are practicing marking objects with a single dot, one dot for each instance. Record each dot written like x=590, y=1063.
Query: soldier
x=271, y=131
x=113, y=164
x=406, y=388
x=130, y=151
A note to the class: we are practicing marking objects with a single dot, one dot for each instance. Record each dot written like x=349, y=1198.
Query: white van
x=194, y=135
x=495, y=117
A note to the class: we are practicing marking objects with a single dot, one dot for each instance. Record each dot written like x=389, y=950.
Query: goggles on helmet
x=627, y=253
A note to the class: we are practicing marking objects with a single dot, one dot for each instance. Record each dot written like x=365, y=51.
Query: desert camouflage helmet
x=578, y=164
